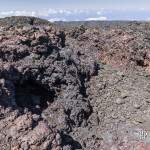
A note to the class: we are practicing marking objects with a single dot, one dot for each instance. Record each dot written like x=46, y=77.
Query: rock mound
x=43, y=86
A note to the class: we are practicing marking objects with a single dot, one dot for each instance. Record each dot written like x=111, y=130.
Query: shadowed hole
x=33, y=96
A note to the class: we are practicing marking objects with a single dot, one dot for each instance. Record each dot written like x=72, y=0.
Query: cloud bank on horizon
x=59, y=14
x=85, y=10
x=81, y=15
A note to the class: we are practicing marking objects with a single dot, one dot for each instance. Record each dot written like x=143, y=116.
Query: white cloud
x=52, y=11
x=57, y=14
x=57, y=19
x=67, y=12
x=99, y=12
x=148, y=19
x=142, y=9
x=80, y=11
x=46, y=12
x=5, y=13
x=43, y=13
x=96, y=18
x=24, y=13
x=17, y=13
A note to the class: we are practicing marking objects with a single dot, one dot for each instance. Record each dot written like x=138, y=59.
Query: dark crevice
x=26, y=42
x=62, y=36
x=33, y=96
x=31, y=21
x=82, y=78
x=70, y=122
x=13, y=55
x=51, y=51
x=68, y=140
x=140, y=63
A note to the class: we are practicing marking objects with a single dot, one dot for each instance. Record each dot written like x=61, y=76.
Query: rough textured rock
x=43, y=86
x=74, y=86
x=119, y=93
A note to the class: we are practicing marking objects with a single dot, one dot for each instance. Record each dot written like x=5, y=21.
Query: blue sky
x=67, y=10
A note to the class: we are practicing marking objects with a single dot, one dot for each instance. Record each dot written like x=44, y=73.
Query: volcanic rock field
x=75, y=85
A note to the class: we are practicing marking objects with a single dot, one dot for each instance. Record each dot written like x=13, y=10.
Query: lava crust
x=77, y=85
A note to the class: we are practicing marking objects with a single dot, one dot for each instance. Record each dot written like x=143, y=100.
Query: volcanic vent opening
x=33, y=96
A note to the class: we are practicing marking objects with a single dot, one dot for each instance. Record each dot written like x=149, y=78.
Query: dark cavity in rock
x=33, y=96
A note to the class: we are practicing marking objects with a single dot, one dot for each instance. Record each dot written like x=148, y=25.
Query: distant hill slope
x=23, y=20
